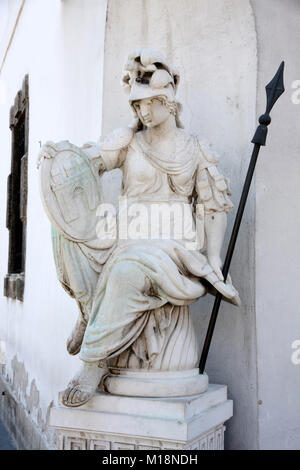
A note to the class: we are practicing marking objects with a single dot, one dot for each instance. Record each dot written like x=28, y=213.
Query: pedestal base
x=155, y=384
x=117, y=423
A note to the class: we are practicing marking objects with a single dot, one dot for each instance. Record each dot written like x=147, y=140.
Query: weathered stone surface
x=6, y=441
x=14, y=286
x=24, y=431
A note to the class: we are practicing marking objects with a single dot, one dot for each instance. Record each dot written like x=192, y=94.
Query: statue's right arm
x=109, y=153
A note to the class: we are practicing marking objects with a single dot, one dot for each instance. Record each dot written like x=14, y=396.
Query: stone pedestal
x=110, y=422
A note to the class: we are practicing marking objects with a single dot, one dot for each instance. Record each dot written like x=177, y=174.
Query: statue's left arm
x=110, y=151
x=213, y=203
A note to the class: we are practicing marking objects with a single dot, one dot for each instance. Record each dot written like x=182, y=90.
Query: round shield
x=70, y=191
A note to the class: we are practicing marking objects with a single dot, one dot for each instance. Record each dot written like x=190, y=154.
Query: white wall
x=60, y=45
x=277, y=230
x=213, y=43
x=9, y=12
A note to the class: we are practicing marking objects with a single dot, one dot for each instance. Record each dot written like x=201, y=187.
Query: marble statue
x=132, y=278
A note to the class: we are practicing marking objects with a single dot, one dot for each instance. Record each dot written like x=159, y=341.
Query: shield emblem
x=71, y=192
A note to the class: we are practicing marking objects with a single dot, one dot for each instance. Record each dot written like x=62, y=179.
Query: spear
x=274, y=90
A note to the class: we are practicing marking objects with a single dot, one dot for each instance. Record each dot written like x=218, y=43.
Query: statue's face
x=151, y=111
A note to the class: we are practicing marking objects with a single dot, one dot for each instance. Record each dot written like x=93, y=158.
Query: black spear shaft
x=274, y=89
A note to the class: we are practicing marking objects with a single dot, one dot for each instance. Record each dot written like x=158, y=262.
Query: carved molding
x=212, y=440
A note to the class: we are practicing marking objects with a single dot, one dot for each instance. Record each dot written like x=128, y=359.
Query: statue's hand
x=216, y=264
x=226, y=288
x=93, y=151
x=48, y=150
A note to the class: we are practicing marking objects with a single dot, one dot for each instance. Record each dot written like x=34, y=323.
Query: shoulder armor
x=117, y=139
x=208, y=153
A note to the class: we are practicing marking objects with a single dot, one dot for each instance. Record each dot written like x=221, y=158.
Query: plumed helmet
x=147, y=74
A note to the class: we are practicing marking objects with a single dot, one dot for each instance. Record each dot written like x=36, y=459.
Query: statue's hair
x=173, y=107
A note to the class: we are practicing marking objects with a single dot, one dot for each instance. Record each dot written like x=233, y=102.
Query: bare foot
x=84, y=385
x=75, y=339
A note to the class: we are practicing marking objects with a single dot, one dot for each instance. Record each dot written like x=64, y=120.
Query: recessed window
x=17, y=195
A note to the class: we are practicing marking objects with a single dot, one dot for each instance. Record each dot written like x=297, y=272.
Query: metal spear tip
x=275, y=88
